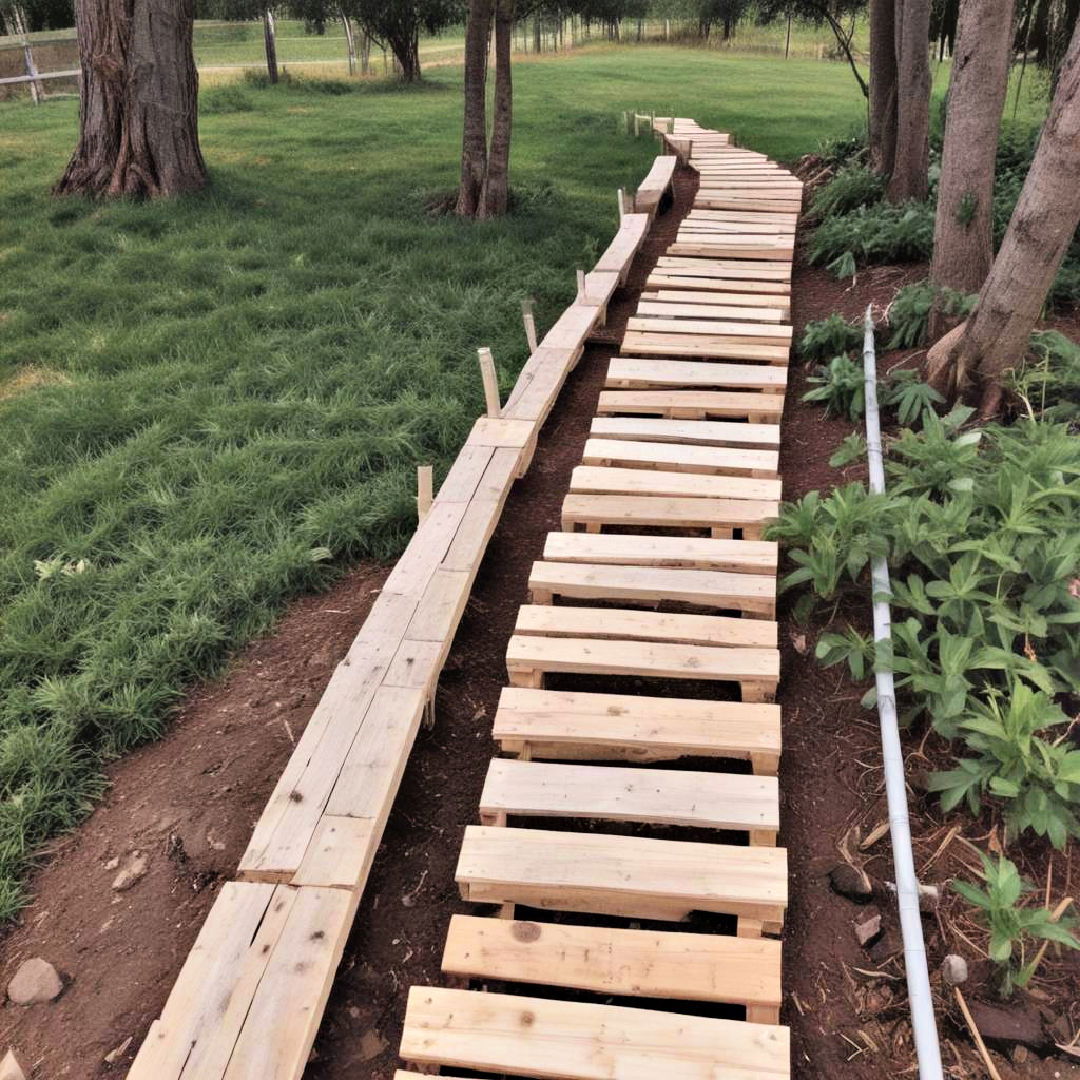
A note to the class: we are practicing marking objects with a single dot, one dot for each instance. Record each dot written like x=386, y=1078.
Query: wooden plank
x=693, y=404
x=564, y=724
x=691, y=265
x=341, y=853
x=696, y=432
x=709, y=310
x=625, y=875
x=664, y=512
x=736, y=202
x=773, y=290
x=752, y=593
x=638, y=373
x=692, y=226
x=616, y=481
x=723, y=348
x=285, y=1012
x=728, y=801
x=549, y=620
x=617, y=962
x=699, y=214
x=640, y=659
x=713, y=460
x=196, y=1033
x=705, y=553
x=708, y=297
x=750, y=332
x=495, y=431
x=559, y=1040
x=732, y=247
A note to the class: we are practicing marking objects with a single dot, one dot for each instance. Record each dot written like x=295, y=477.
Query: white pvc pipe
x=920, y=1001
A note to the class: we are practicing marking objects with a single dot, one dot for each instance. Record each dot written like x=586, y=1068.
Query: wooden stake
x=622, y=199
x=491, y=382
x=637, y=124
x=580, y=286
x=423, y=491
x=529, y=319
x=979, y=1044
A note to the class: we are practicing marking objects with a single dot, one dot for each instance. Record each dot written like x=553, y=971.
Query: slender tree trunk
x=909, y=179
x=365, y=52
x=18, y=20
x=883, y=86
x=474, y=136
x=495, y=194
x=963, y=227
x=350, y=42
x=1041, y=34
x=995, y=338
x=270, y=40
x=138, y=116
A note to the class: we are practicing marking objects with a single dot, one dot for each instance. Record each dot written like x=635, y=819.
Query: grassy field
x=210, y=405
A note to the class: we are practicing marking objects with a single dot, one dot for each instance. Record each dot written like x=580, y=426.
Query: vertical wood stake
x=529, y=319
x=491, y=382
x=580, y=286
x=622, y=199
x=423, y=491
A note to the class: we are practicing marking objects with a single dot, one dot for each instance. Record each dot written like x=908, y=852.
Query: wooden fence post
x=580, y=286
x=491, y=382
x=423, y=491
x=529, y=319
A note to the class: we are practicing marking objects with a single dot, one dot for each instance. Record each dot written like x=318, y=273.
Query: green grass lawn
x=211, y=405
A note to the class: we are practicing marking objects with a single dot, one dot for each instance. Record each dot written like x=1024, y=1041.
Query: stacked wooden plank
x=250, y=997
x=670, y=579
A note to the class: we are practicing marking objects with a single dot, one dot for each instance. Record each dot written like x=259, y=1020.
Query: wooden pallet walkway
x=669, y=580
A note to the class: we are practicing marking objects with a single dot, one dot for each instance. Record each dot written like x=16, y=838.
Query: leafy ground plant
x=1012, y=927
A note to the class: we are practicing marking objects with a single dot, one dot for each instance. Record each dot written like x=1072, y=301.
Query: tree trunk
x=963, y=227
x=18, y=20
x=495, y=194
x=1040, y=36
x=474, y=137
x=995, y=338
x=270, y=40
x=350, y=42
x=138, y=116
x=365, y=52
x=909, y=179
x=883, y=88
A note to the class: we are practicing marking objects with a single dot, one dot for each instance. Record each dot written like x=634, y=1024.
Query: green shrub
x=905, y=392
x=1011, y=925
x=872, y=235
x=849, y=189
x=909, y=312
x=225, y=99
x=843, y=149
x=829, y=337
x=840, y=387
x=1048, y=382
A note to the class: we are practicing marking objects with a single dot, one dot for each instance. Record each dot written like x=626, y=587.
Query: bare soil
x=189, y=802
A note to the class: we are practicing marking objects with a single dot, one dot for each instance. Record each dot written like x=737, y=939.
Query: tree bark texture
x=495, y=193
x=350, y=42
x=138, y=117
x=963, y=227
x=996, y=336
x=883, y=87
x=474, y=135
x=270, y=41
x=909, y=177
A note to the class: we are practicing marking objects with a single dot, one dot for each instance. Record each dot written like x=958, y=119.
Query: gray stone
x=1003, y=1025
x=132, y=871
x=868, y=927
x=35, y=982
x=954, y=969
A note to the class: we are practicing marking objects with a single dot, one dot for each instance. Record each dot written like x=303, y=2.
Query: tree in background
x=995, y=338
x=474, y=135
x=396, y=24
x=909, y=177
x=138, y=114
x=881, y=127
x=963, y=226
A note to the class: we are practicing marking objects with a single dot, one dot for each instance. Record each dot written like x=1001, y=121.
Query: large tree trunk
x=270, y=41
x=909, y=179
x=995, y=338
x=963, y=227
x=495, y=195
x=883, y=89
x=474, y=136
x=138, y=118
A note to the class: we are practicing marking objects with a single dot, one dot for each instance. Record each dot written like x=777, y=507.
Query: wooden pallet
x=566, y=726
x=685, y=440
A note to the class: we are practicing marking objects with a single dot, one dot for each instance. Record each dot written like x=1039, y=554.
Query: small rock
x=10, y=1069
x=36, y=981
x=954, y=969
x=133, y=871
x=1003, y=1025
x=118, y=1052
x=852, y=883
x=868, y=927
